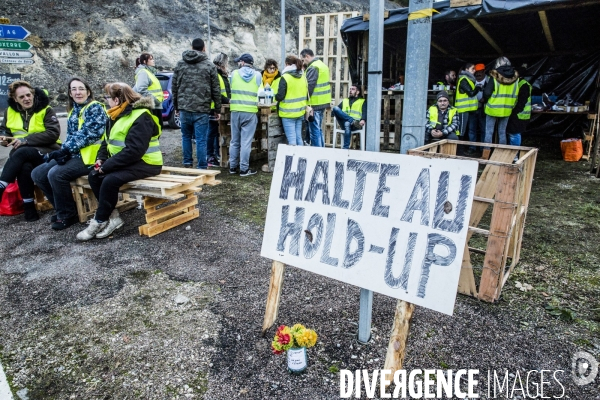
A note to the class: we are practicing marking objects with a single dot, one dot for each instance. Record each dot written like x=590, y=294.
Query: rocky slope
x=100, y=41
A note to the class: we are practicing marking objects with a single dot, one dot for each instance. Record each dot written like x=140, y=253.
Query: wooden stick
x=275, y=286
x=397, y=346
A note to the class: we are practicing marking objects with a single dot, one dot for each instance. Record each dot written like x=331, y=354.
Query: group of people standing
x=483, y=102
x=200, y=87
x=110, y=146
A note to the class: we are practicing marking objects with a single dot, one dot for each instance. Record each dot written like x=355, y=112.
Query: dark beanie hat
x=442, y=93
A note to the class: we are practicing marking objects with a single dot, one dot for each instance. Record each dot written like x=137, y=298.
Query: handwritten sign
x=390, y=223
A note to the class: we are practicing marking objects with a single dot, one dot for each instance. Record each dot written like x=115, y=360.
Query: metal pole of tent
x=282, y=35
x=208, y=19
x=372, y=134
x=418, y=45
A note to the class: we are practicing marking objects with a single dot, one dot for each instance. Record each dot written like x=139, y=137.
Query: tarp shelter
x=558, y=41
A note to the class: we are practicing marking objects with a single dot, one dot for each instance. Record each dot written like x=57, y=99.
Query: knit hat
x=479, y=67
x=442, y=93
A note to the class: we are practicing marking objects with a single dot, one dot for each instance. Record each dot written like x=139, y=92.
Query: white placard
x=390, y=223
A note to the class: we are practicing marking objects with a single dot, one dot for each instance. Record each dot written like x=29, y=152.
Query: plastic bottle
x=261, y=96
x=268, y=94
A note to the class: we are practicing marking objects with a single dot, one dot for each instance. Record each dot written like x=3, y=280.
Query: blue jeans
x=212, y=143
x=346, y=121
x=514, y=139
x=194, y=125
x=490, y=123
x=468, y=127
x=293, y=130
x=316, y=135
x=55, y=182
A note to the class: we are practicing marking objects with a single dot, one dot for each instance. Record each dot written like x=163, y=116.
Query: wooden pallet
x=169, y=198
x=505, y=187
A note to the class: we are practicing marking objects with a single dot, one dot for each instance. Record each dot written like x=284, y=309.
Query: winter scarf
x=114, y=112
x=269, y=77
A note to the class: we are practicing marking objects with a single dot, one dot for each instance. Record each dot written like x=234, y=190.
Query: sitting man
x=442, y=120
x=351, y=113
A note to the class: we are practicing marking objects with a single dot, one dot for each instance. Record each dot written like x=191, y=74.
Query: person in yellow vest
x=351, y=113
x=520, y=115
x=466, y=104
x=319, y=91
x=245, y=83
x=31, y=128
x=221, y=61
x=499, y=96
x=147, y=84
x=130, y=151
x=442, y=120
x=292, y=98
x=270, y=72
x=85, y=126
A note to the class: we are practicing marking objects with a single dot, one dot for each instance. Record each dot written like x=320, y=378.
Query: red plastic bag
x=12, y=202
x=572, y=149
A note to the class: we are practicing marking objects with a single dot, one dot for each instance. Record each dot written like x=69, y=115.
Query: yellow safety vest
x=244, y=95
x=526, y=113
x=119, y=131
x=463, y=102
x=223, y=91
x=502, y=101
x=433, y=117
x=296, y=97
x=155, y=89
x=88, y=153
x=322, y=92
x=355, y=111
x=275, y=89
x=14, y=122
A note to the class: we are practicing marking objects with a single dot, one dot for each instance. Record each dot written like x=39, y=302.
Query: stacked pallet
x=169, y=198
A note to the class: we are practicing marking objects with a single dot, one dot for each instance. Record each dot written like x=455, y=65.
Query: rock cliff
x=99, y=41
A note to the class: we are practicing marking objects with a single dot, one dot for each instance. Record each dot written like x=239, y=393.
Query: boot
x=1, y=192
x=92, y=229
x=114, y=223
x=30, y=212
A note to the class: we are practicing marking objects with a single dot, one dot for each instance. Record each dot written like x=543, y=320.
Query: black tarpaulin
x=568, y=64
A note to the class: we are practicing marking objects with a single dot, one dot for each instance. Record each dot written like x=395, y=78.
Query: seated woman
x=85, y=126
x=130, y=152
x=30, y=126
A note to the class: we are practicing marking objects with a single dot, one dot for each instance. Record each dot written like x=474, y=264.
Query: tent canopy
x=556, y=42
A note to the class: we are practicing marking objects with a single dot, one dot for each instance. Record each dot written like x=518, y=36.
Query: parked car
x=165, y=78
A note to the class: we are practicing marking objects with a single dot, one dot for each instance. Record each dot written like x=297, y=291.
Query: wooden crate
x=505, y=186
x=169, y=198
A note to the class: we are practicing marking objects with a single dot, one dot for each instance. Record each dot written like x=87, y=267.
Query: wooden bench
x=169, y=198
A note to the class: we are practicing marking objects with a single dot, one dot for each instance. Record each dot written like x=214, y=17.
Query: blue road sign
x=13, y=32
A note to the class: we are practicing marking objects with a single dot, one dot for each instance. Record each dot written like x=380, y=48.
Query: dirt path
x=178, y=315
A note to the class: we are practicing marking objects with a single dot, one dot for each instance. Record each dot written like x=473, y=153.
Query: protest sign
x=390, y=223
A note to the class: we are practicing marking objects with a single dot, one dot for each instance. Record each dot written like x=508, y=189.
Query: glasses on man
x=78, y=89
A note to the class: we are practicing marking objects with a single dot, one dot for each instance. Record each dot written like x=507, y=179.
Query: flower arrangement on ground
x=296, y=336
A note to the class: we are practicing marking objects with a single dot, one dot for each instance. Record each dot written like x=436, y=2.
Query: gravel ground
x=179, y=316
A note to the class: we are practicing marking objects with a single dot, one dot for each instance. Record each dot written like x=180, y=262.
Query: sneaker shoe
x=61, y=224
x=54, y=218
x=247, y=172
x=92, y=229
x=187, y=165
x=233, y=171
x=30, y=212
x=114, y=223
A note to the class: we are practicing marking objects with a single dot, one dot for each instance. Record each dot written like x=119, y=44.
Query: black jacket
x=137, y=141
x=44, y=141
x=464, y=86
x=516, y=125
